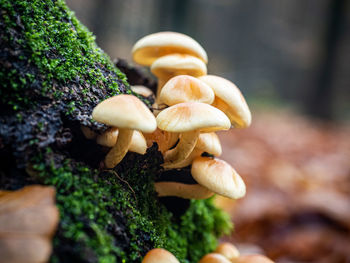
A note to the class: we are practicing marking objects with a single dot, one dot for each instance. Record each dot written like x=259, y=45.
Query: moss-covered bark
x=52, y=75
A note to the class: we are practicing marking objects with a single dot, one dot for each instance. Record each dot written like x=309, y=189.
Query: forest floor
x=297, y=171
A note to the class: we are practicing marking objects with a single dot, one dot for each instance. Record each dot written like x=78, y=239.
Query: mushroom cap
x=149, y=48
x=190, y=116
x=230, y=100
x=109, y=139
x=228, y=250
x=142, y=90
x=186, y=88
x=252, y=259
x=218, y=176
x=176, y=64
x=159, y=255
x=125, y=111
x=214, y=258
x=186, y=191
x=210, y=143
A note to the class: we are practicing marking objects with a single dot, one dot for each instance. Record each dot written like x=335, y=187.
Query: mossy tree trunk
x=52, y=75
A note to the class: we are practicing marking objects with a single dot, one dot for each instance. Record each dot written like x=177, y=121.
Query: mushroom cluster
x=224, y=253
x=190, y=106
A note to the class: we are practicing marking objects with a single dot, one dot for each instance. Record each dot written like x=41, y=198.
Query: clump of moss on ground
x=111, y=217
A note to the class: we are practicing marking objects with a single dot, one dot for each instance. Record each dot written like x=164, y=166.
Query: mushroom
x=230, y=100
x=109, y=138
x=182, y=190
x=214, y=258
x=186, y=88
x=142, y=90
x=228, y=250
x=252, y=259
x=88, y=133
x=189, y=119
x=207, y=142
x=127, y=113
x=218, y=176
x=159, y=255
x=28, y=220
x=149, y=48
x=180, y=184
x=165, y=140
x=164, y=68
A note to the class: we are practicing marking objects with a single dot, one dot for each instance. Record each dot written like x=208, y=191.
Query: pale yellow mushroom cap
x=125, y=111
x=185, y=88
x=186, y=191
x=142, y=90
x=210, y=143
x=228, y=250
x=109, y=139
x=159, y=255
x=214, y=258
x=176, y=64
x=218, y=176
x=230, y=100
x=252, y=259
x=190, y=116
x=149, y=48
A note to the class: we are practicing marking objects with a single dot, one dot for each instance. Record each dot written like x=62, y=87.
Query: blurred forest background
x=294, y=53
x=291, y=59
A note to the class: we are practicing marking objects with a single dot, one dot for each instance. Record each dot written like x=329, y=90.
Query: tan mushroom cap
x=125, y=111
x=252, y=259
x=228, y=250
x=214, y=258
x=185, y=88
x=149, y=48
x=176, y=64
x=189, y=116
x=109, y=139
x=230, y=100
x=186, y=191
x=159, y=255
x=142, y=90
x=218, y=176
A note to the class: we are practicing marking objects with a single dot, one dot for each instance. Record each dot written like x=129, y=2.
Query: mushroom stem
x=194, y=154
x=119, y=150
x=183, y=149
x=161, y=83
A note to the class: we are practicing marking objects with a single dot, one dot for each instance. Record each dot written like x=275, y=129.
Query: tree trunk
x=52, y=76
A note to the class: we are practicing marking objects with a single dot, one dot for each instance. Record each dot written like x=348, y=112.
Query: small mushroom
x=28, y=220
x=182, y=190
x=109, y=139
x=149, y=48
x=207, y=142
x=185, y=88
x=189, y=119
x=252, y=259
x=164, y=68
x=142, y=90
x=218, y=176
x=127, y=113
x=214, y=258
x=159, y=255
x=228, y=250
x=230, y=100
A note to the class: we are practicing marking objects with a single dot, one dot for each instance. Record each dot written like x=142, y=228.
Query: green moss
x=90, y=203
x=56, y=45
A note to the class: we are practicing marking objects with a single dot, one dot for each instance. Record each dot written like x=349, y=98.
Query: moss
x=94, y=204
x=58, y=48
